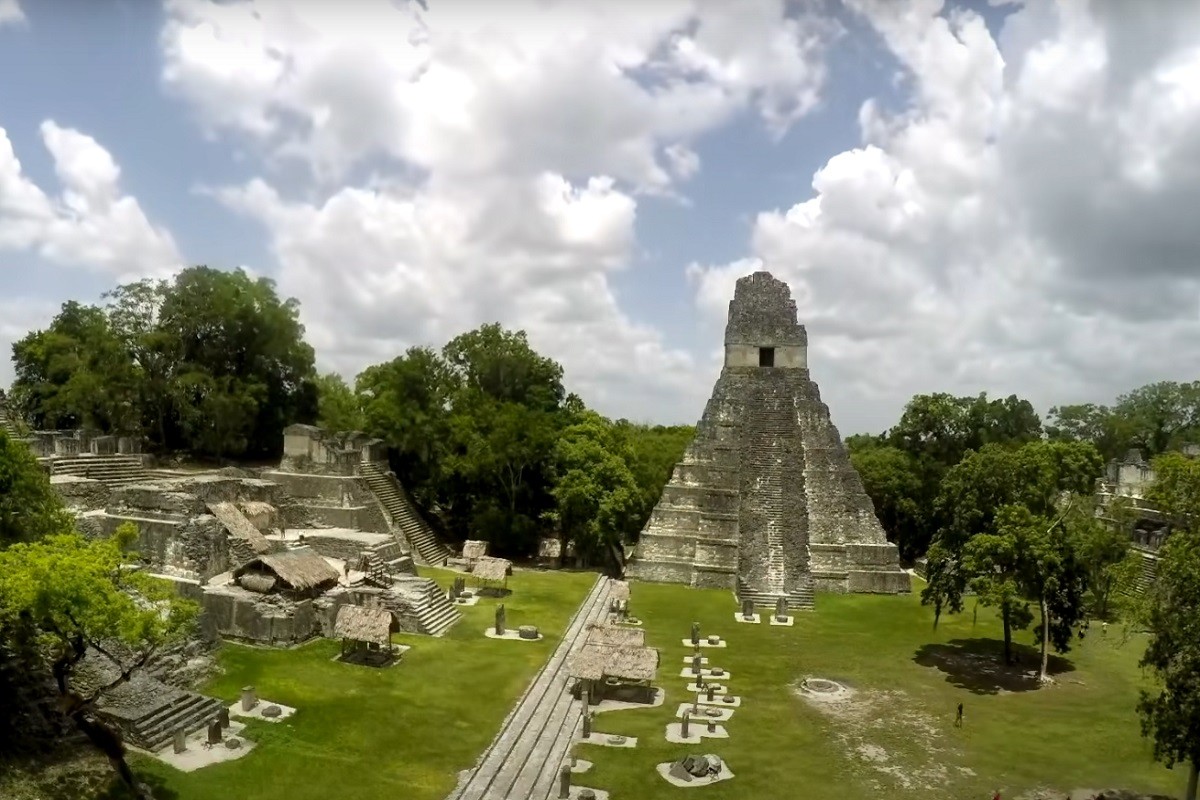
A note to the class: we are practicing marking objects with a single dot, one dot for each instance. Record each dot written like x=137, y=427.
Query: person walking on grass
x=958, y=717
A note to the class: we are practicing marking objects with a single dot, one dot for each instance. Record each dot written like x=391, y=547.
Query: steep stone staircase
x=439, y=614
x=7, y=425
x=420, y=536
x=110, y=470
x=801, y=598
x=1147, y=575
x=149, y=712
x=390, y=557
x=771, y=427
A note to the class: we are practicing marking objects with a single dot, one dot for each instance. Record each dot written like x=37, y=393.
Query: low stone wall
x=80, y=493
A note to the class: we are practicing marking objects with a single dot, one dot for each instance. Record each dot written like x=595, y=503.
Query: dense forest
x=488, y=439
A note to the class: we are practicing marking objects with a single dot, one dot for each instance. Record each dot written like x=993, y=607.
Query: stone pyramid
x=765, y=500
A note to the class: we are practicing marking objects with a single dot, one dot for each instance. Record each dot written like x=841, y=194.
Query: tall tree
x=1161, y=415
x=1108, y=431
x=29, y=508
x=80, y=602
x=1170, y=715
x=338, y=407
x=892, y=479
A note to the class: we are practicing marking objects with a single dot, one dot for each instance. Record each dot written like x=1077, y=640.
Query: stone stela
x=765, y=500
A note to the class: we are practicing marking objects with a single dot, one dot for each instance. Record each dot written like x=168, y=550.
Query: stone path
x=522, y=762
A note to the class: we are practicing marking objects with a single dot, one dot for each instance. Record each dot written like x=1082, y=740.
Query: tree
x=1170, y=716
x=1176, y=488
x=338, y=407
x=892, y=479
x=595, y=493
x=29, y=508
x=1104, y=547
x=78, y=600
x=1161, y=415
x=651, y=453
x=1108, y=431
x=501, y=364
x=984, y=496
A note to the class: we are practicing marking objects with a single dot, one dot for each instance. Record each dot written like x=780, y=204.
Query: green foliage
x=1104, y=547
x=1153, y=418
x=1170, y=714
x=213, y=362
x=595, y=494
x=29, y=508
x=651, y=452
x=999, y=539
x=338, y=407
x=892, y=479
x=1176, y=488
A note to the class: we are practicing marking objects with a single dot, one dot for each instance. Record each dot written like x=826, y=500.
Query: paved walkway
x=522, y=762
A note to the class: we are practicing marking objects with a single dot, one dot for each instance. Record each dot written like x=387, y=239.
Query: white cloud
x=1025, y=225
x=11, y=13
x=521, y=133
x=90, y=225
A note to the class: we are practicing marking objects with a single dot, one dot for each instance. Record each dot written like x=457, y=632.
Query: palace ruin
x=765, y=500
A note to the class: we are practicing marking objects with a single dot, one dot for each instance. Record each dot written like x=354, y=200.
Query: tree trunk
x=1004, y=615
x=1044, y=674
x=108, y=742
x=1191, y=789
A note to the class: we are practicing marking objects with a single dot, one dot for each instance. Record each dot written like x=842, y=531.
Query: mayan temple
x=765, y=500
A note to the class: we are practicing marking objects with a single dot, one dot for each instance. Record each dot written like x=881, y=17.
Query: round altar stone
x=616, y=739
x=586, y=794
x=233, y=743
x=528, y=632
x=714, y=639
x=272, y=711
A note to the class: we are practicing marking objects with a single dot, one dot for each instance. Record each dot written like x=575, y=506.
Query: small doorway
x=766, y=356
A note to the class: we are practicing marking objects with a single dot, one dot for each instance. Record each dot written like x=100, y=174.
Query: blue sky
x=634, y=327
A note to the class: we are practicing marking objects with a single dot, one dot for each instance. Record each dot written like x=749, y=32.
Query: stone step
x=191, y=712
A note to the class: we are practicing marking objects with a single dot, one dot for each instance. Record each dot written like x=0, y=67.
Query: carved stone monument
x=564, y=782
x=587, y=724
x=696, y=633
x=765, y=500
x=249, y=699
x=781, y=610
x=500, y=620
x=214, y=732
x=180, y=742
x=685, y=725
x=747, y=609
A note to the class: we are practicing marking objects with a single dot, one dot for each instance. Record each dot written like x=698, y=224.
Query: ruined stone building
x=1127, y=479
x=765, y=500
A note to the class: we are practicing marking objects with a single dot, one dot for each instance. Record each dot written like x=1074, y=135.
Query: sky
x=964, y=197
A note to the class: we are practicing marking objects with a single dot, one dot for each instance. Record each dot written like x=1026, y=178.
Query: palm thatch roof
x=491, y=569
x=473, y=549
x=598, y=661
x=364, y=625
x=300, y=569
x=234, y=521
x=617, y=637
x=620, y=591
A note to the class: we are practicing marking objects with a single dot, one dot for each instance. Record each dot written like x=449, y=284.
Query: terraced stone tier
x=522, y=762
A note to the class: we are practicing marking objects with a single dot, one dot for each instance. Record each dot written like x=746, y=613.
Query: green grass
x=1080, y=732
x=400, y=732
x=405, y=732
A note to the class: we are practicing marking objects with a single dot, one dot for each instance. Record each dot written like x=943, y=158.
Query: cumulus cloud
x=513, y=141
x=11, y=13
x=90, y=224
x=1022, y=225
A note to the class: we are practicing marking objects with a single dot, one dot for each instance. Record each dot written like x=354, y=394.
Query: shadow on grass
x=977, y=665
x=156, y=785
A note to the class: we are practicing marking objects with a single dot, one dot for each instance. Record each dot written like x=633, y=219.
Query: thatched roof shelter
x=301, y=569
x=360, y=624
x=616, y=637
x=259, y=582
x=239, y=527
x=474, y=549
x=596, y=662
x=491, y=569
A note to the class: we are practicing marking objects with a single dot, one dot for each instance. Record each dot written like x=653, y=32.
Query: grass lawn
x=896, y=736
x=370, y=734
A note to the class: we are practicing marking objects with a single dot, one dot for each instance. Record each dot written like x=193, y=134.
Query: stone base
x=786, y=621
x=200, y=753
x=601, y=794
x=235, y=710
x=604, y=740
x=688, y=660
x=696, y=688
x=725, y=714
x=466, y=601
x=664, y=770
x=721, y=700
x=751, y=620
x=697, y=732
x=621, y=705
x=511, y=635
x=704, y=673
x=704, y=643
x=580, y=765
